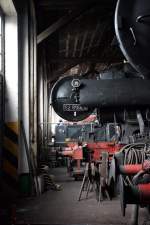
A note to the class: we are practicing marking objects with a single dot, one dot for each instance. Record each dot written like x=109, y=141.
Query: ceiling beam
x=8, y=7
x=79, y=60
x=74, y=3
x=92, y=37
x=75, y=45
x=67, y=45
x=83, y=43
x=64, y=21
x=61, y=5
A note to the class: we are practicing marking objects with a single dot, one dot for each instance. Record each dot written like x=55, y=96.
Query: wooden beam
x=98, y=26
x=64, y=21
x=79, y=60
x=83, y=43
x=72, y=3
x=75, y=45
x=104, y=27
x=8, y=7
x=67, y=45
x=60, y=5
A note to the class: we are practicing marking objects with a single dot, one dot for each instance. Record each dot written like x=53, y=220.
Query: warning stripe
x=13, y=126
x=11, y=146
x=10, y=152
x=10, y=157
x=9, y=133
x=10, y=169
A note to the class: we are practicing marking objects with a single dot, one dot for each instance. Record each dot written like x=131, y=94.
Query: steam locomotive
x=123, y=98
x=126, y=99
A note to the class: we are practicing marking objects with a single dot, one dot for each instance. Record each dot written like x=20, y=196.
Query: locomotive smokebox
x=76, y=102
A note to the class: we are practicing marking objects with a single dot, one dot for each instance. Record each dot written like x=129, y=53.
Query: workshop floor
x=62, y=207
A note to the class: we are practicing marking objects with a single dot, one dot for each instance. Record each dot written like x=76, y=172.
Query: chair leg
x=83, y=183
x=100, y=193
x=88, y=188
x=107, y=194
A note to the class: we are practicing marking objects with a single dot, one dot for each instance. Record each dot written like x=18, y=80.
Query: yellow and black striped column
x=10, y=154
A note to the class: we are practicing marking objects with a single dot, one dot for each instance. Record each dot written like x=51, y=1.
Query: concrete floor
x=62, y=207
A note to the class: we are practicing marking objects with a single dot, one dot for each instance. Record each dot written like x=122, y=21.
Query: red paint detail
x=130, y=169
x=78, y=154
x=144, y=190
x=98, y=147
x=75, y=152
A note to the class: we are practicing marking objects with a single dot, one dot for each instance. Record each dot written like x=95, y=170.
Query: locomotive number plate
x=74, y=108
